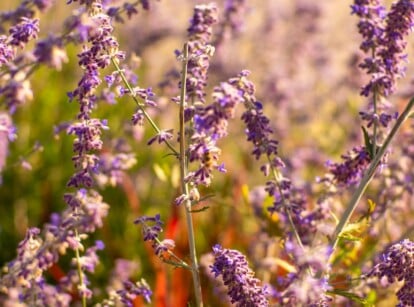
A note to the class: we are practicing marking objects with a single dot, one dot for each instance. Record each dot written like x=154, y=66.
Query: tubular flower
x=397, y=264
x=243, y=288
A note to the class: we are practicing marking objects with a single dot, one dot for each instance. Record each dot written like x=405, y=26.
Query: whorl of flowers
x=243, y=288
x=151, y=227
x=385, y=41
x=350, y=171
x=397, y=265
x=199, y=36
x=210, y=125
x=13, y=85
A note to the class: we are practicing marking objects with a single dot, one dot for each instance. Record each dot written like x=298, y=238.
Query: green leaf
x=368, y=144
x=350, y=295
x=200, y=210
x=353, y=231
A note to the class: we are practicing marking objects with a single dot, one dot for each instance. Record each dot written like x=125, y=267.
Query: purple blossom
x=112, y=167
x=50, y=51
x=213, y=119
x=258, y=131
x=383, y=118
x=397, y=264
x=199, y=34
x=243, y=288
x=16, y=92
x=350, y=171
x=38, y=251
x=163, y=247
x=370, y=26
x=90, y=259
x=87, y=140
x=23, y=32
x=138, y=117
x=399, y=24
x=132, y=290
x=161, y=137
x=150, y=232
x=6, y=51
x=103, y=46
x=204, y=17
x=210, y=125
x=384, y=41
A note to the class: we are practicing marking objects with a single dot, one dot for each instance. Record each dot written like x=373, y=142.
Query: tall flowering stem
x=184, y=184
x=260, y=134
x=371, y=28
x=102, y=47
x=369, y=175
x=140, y=105
x=384, y=36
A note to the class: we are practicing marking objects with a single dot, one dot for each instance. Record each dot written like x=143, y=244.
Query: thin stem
x=374, y=136
x=369, y=175
x=184, y=185
x=79, y=269
x=375, y=107
x=276, y=176
x=140, y=105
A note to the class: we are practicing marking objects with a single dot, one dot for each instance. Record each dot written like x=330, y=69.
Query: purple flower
x=162, y=136
x=16, y=92
x=210, y=125
x=243, y=288
x=87, y=140
x=102, y=47
x=350, y=171
x=50, y=52
x=131, y=291
x=150, y=232
x=112, y=167
x=23, y=32
x=199, y=34
x=370, y=26
x=384, y=41
x=6, y=51
x=258, y=131
x=397, y=264
x=90, y=259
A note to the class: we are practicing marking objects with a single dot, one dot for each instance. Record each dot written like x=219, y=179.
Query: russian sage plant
x=195, y=191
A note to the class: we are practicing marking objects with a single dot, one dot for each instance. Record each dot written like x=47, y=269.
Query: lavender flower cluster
x=243, y=288
x=397, y=265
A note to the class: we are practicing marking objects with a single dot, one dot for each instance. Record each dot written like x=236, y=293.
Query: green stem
x=375, y=107
x=140, y=105
x=79, y=269
x=276, y=176
x=369, y=175
x=184, y=185
x=374, y=136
